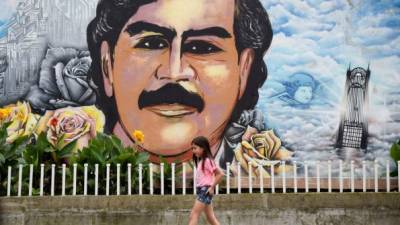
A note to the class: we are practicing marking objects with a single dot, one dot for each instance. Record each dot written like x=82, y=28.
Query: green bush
x=102, y=150
x=108, y=149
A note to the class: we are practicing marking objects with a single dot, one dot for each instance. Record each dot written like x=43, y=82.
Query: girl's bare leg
x=210, y=215
x=198, y=207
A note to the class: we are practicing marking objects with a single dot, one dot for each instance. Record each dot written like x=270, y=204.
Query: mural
x=263, y=80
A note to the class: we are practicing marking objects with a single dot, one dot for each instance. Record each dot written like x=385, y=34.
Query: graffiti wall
x=262, y=80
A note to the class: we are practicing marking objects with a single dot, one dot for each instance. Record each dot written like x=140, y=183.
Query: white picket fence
x=230, y=184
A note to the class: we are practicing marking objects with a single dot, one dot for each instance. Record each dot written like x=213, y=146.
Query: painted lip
x=172, y=111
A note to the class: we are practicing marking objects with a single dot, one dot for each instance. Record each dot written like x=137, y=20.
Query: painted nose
x=176, y=68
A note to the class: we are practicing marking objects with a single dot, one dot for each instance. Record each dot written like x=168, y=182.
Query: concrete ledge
x=249, y=209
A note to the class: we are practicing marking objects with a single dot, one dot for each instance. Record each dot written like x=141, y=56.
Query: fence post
x=352, y=175
x=240, y=179
x=85, y=177
x=261, y=179
x=9, y=181
x=295, y=176
x=63, y=180
x=74, y=179
x=53, y=177
x=129, y=178
x=364, y=176
x=140, y=179
x=341, y=175
x=376, y=175
x=184, y=178
x=329, y=176
x=318, y=178
x=96, y=179
x=228, y=189
x=398, y=176
x=118, y=178
x=30, y=179
x=306, y=174
x=272, y=178
x=19, y=180
x=173, y=178
x=250, y=178
x=41, y=178
x=107, y=179
x=162, y=178
x=194, y=179
x=387, y=176
x=284, y=176
x=151, y=178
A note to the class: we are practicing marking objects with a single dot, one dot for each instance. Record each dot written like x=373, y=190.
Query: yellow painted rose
x=261, y=153
x=66, y=125
x=23, y=121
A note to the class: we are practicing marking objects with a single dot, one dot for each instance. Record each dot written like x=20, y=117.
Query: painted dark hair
x=203, y=143
x=252, y=29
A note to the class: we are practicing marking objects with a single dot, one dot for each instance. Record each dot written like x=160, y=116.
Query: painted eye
x=200, y=48
x=153, y=42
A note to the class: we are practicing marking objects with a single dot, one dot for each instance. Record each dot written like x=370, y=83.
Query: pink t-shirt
x=204, y=176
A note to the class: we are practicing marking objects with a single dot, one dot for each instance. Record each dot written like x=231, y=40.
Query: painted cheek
x=219, y=70
x=137, y=68
x=220, y=82
x=217, y=74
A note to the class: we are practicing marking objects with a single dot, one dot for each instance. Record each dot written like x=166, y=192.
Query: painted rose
x=66, y=125
x=63, y=80
x=23, y=121
x=258, y=152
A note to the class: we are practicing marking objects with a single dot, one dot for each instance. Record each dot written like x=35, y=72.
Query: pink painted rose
x=72, y=123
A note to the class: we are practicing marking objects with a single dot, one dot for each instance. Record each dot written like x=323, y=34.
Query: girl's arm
x=218, y=174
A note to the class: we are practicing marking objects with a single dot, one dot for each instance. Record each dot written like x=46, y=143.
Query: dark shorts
x=203, y=196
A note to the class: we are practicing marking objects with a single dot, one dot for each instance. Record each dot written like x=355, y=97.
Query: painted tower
x=353, y=128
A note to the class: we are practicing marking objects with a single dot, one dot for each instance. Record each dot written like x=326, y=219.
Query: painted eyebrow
x=141, y=26
x=210, y=31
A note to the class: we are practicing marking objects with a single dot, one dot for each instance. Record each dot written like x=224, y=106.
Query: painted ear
x=245, y=63
x=106, y=69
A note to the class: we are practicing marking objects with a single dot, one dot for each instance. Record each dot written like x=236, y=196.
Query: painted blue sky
x=323, y=37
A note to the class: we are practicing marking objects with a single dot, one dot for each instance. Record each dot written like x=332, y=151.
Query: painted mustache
x=170, y=93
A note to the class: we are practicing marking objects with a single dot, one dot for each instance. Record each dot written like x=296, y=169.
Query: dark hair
x=252, y=29
x=203, y=143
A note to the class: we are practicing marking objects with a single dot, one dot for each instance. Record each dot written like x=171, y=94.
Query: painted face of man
x=176, y=73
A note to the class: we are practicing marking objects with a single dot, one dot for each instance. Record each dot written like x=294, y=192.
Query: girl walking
x=208, y=176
